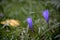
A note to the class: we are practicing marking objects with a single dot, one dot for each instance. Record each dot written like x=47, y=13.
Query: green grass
x=20, y=10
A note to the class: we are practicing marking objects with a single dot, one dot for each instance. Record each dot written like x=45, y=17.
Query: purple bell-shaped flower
x=30, y=23
x=46, y=15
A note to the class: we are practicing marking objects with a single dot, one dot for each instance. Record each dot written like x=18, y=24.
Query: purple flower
x=46, y=15
x=30, y=23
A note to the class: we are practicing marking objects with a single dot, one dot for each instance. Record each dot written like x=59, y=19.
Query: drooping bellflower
x=46, y=15
x=30, y=23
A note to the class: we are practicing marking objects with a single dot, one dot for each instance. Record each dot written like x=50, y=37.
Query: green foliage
x=20, y=10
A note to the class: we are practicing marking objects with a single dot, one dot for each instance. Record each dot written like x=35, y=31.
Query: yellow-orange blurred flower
x=11, y=22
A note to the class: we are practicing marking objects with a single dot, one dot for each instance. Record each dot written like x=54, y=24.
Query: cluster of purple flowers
x=45, y=14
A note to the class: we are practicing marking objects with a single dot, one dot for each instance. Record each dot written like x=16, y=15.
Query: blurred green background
x=20, y=10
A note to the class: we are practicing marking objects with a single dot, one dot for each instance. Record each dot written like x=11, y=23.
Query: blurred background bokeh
x=21, y=10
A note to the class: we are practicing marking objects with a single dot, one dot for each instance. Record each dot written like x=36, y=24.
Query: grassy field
x=22, y=9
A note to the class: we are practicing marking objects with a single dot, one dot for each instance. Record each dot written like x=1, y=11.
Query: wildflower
x=46, y=15
x=29, y=21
